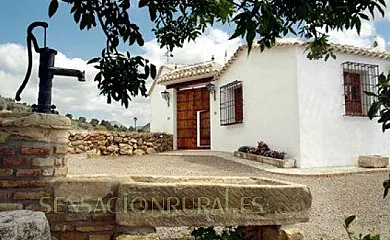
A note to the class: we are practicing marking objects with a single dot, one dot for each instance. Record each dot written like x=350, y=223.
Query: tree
x=122, y=76
x=70, y=116
x=381, y=105
x=82, y=119
x=107, y=124
x=94, y=121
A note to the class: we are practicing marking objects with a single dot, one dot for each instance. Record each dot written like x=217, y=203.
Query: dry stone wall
x=118, y=143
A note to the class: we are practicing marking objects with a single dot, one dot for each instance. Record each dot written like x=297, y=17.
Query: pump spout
x=68, y=73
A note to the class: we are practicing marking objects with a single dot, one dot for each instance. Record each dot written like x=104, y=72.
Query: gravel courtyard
x=334, y=197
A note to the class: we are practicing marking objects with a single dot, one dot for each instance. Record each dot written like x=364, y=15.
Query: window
x=231, y=103
x=358, y=78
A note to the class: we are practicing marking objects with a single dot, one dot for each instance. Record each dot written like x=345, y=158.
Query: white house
x=314, y=110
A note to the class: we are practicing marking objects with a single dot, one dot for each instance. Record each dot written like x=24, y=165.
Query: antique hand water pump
x=46, y=71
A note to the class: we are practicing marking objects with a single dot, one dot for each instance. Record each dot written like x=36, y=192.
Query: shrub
x=352, y=236
x=230, y=233
x=263, y=150
x=245, y=149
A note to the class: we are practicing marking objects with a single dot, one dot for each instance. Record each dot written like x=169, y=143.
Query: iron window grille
x=359, y=78
x=231, y=103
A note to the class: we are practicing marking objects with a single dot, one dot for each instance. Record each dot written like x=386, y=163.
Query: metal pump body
x=47, y=71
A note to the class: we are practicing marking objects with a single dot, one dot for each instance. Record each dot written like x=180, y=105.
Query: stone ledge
x=373, y=161
x=222, y=201
x=33, y=127
x=280, y=163
x=40, y=120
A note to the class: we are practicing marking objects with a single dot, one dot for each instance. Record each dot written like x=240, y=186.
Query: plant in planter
x=229, y=233
x=245, y=149
x=263, y=150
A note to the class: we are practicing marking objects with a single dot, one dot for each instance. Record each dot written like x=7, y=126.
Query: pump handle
x=30, y=40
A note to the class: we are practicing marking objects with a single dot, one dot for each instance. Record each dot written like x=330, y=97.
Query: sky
x=76, y=47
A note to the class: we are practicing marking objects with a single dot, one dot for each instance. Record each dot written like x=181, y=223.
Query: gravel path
x=334, y=197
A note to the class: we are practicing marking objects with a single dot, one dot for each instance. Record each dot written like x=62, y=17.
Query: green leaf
x=358, y=25
x=382, y=79
x=94, y=60
x=371, y=94
x=349, y=220
x=140, y=40
x=153, y=71
x=143, y=3
x=385, y=126
x=53, y=7
x=84, y=21
x=250, y=35
x=152, y=12
x=98, y=77
x=373, y=111
x=237, y=33
x=385, y=193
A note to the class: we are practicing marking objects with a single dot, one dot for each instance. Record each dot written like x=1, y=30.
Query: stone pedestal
x=373, y=161
x=32, y=152
x=24, y=225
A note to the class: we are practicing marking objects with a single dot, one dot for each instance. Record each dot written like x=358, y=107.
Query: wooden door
x=189, y=102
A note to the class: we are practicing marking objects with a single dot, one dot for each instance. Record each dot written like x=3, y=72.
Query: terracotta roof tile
x=195, y=71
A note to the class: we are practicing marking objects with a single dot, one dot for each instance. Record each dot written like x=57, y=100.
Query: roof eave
x=187, y=79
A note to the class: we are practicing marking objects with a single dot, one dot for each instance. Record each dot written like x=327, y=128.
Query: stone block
x=48, y=172
x=74, y=236
x=42, y=162
x=7, y=151
x=14, y=161
x=95, y=228
x=23, y=183
x=152, y=236
x=26, y=173
x=151, y=151
x=100, y=237
x=62, y=227
x=61, y=149
x=291, y=234
x=6, y=172
x=77, y=189
x=34, y=151
x=60, y=171
x=5, y=195
x=373, y=161
x=24, y=225
x=139, y=152
x=31, y=195
x=10, y=206
x=191, y=201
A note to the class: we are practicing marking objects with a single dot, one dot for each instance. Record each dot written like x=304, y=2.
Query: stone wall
x=118, y=143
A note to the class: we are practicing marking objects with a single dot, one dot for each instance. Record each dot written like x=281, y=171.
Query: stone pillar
x=32, y=153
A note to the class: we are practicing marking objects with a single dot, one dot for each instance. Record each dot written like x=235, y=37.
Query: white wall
x=328, y=138
x=270, y=102
x=162, y=117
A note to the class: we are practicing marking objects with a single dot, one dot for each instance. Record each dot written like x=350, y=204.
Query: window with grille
x=358, y=78
x=231, y=103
